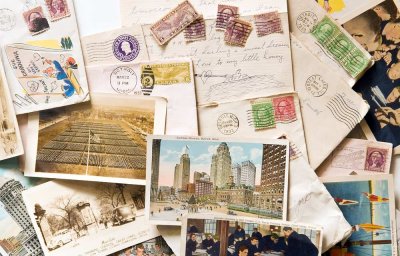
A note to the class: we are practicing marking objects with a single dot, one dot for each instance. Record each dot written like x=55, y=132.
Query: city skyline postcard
x=87, y=218
x=201, y=175
x=101, y=140
x=367, y=203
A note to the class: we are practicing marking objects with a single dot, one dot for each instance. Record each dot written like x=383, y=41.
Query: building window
x=248, y=227
x=210, y=226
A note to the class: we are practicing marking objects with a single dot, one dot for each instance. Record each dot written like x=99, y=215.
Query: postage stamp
x=237, y=32
x=126, y=48
x=58, y=9
x=174, y=22
x=375, y=159
x=263, y=115
x=284, y=109
x=36, y=21
x=316, y=86
x=225, y=12
x=7, y=19
x=345, y=52
x=228, y=123
x=268, y=23
x=196, y=31
x=147, y=79
x=123, y=80
x=166, y=73
x=306, y=21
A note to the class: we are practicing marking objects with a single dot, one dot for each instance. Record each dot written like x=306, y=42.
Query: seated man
x=208, y=242
x=257, y=234
x=191, y=245
x=214, y=250
x=243, y=251
x=274, y=243
x=298, y=244
x=255, y=247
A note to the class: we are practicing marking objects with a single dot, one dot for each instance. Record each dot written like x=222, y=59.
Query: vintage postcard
x=17, y=235
x=154, y=247
x=215, y=176
x=171, y=79
x=324, y=98
x=354, y=156
x=380, y=85
x=87, y=218
x=367, y=203
x=219, y=236
x=101, y=140
x=261, y=117
x=43, y=71
x=10, y=138
x=118, y=46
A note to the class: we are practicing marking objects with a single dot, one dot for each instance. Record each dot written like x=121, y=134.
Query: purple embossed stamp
x=126, y=48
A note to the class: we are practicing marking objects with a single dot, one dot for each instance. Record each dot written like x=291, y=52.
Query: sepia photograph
x=80, y=217
x=154, y=247
x=207, y=235
x=223, y=177
x=94, y=140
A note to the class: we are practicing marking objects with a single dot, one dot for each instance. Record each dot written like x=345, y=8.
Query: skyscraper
x=155, y=169
x=182, y=171
x=248, y=174
x=221, y=166
x=236, y=173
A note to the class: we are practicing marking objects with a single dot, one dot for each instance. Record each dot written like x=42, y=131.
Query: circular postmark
x=126, y=48
x=7, y=19
x=306, y=21
x=316, y=86
x=228, y=123
x=123, y=80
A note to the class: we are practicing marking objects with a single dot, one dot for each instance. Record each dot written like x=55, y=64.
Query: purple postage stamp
x=375, y=159
x=196, y=31
x=237, y=32
x=126, y=48
x=225, y=12
x=268, y=23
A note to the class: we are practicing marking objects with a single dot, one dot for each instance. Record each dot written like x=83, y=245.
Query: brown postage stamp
x=196, y=31
x=225, y=12
x=36, y=21
x=268, y=23
x=58, y=9
x=237, y=32
x=174, y=22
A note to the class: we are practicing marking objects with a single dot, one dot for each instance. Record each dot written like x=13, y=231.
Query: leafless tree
x=111, y=195
x=66, y=206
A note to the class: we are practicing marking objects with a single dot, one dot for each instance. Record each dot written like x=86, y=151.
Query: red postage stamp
x=36, y=21
x=174, y=22
x=225, y=12
x=284, y=108
x=58, y=9
x=196, y=31
x=237, y=32
x=375, y=159
x=268, y=23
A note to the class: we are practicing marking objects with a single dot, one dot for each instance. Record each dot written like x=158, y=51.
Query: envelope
x=255, y=118
x=42, y=55
x=325, y=99
x=354, y=156
x=171, y=79
x=118, y=46
x=328, y=41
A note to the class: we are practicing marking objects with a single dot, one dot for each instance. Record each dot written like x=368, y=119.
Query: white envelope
x=330, y=108
x=178, y=88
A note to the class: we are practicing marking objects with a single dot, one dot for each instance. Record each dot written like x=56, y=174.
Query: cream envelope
x=255, y=118
x=123, y=45
x=355, y=156
x=328, y=40
x=330, y=108
x=172, y=80
x=42, y=55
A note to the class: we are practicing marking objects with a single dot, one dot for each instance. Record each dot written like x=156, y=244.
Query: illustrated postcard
x=156, y=246
x=245, y=177
x=368, y=204
x=87, y=218
x=101, y=140
x=209, y=235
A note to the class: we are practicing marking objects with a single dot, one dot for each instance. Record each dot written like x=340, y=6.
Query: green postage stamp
x=263, y=115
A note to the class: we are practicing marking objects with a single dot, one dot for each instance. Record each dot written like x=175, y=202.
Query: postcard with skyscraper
x=199, y=175
x=367, y=203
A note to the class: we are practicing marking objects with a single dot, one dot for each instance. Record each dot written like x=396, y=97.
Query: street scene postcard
x=221, y=177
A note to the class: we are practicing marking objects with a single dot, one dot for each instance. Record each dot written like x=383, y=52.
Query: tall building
x=155, y=169
x=11, y=197
x=197, y=176
x=182, y=171
x=203, y=188
x=221, y=166
x=236, y=173
x=248, y=174
x=273, y=178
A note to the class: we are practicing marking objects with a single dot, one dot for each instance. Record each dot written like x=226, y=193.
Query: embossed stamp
x=196, y=31
x=263, y=115
x=237, y=32
x=376, y=159
x=284, y=109
x=174, y=22
x=268, y=23
x=166, y=73
x=58, y=9
x=225, y=12
x=36, y=21
x=126, y=48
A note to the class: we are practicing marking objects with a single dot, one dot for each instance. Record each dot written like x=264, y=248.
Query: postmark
x=228, y=123
x=306, y=21
x=126, y=48
x=174, y=22
x=263, y=115
x=123, y=80
x=166, y=73
x=375, y=159
x=196, y=31
x=58, y=9
x=36, y=21
x=147, y=79
x=284, y=109
x=7, y=19
x=237, y=32
x=225, y=12
x=316, y=85
x=268, y=23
